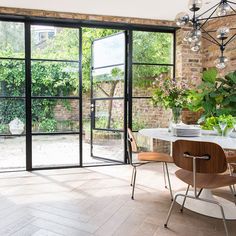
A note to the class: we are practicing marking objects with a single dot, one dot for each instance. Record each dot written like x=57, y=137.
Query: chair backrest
x=132, y=141
x=214, y=163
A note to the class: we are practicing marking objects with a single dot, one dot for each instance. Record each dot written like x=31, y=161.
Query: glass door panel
x=107, y=98
x=55, y=100
x=12, y=96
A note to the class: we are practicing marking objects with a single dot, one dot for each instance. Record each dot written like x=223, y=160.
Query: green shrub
x=48, y=125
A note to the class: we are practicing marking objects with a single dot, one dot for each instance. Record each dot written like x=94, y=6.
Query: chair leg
x=182, y=207
x=200, y=199
x=132, y=177
x=231, y=173
x=170, y=210
x=134, y=180
x=223, y=218
x=168, y=177
x=233, y=192
x=164, y=172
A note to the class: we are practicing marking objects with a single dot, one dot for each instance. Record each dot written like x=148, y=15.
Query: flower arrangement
x=171, y=93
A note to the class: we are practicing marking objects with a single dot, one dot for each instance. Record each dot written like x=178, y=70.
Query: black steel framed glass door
x=55, y=95
x=108, y=106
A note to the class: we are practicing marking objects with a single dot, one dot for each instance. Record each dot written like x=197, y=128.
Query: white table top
x=163, y=134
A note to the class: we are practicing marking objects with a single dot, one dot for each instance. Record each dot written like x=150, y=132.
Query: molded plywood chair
x=202, y=165
x=145, y=158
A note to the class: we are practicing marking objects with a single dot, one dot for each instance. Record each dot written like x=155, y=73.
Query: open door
x=108, y=108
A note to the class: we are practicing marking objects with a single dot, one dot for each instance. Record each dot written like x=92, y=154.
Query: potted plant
x=215, y=96
x=172, y=94
x=223, y=124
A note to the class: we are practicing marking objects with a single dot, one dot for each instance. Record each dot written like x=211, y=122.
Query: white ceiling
x=152, y=9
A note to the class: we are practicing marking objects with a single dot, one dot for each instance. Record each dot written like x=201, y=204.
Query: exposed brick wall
x=78, y=16
x=188, y=63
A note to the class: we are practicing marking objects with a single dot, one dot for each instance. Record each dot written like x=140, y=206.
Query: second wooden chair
x=145, y=158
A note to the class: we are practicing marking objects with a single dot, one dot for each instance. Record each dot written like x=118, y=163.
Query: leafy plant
x=215, y=96
x=48, y=125
x=212, y=123
x=3, y=128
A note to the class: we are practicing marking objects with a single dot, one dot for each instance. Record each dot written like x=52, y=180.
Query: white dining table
x=194, y=205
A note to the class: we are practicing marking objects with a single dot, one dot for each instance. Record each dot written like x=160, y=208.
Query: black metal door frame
x=128, y=28
x=124, y=98
x=30, y=97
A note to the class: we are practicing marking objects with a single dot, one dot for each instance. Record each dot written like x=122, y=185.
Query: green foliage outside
x=61, y=79
x=215, y=95
x=150, y=47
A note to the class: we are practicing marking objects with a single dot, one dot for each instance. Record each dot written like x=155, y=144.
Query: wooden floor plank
x=96, y=201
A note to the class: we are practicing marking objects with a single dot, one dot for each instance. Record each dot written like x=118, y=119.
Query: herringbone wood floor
x=96, y=201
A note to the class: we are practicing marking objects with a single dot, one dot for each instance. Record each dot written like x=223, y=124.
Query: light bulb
x=221, y=62
x=223, y=9
x=222, y=33
x=194, y=5
x=182, y=19
x=196, y=46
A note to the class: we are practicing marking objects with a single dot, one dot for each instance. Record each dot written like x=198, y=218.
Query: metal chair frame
x=197, y=194
x=135, y=165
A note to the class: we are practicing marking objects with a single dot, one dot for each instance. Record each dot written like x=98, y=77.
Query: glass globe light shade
x=194, y=36
x=223, y=9
x=187, y=36
x=222, y=33
x=182, y=19
x=196, y=46
x=194, y=5
x=221, y=62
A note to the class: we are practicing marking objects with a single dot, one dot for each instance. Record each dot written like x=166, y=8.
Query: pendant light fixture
x=221, y=38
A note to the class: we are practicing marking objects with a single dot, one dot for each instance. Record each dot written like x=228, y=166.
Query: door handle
x=92, y=107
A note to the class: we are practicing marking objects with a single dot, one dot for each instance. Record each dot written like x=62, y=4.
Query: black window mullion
x=80, y=101
x=130, y=77
x=174, y=54
x=12, y=58
x=53, y=60
x=56, y=97
x=28, y=96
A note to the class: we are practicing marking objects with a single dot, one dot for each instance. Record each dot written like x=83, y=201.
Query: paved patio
x=57, y=150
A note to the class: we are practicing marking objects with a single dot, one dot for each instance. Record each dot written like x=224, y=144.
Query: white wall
x=152, y=9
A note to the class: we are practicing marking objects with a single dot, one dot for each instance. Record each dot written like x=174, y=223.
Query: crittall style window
x=55, y=74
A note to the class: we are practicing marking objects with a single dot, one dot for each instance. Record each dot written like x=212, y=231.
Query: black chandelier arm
x=232, y=9
x=230, y=39
x=217, y=17
x=216, y=42
x=209, y=17
x=216, y=5
x=232, y=2
x=210, y=41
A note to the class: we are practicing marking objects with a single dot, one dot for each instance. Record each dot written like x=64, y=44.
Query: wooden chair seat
x=208, y=181
x=155, y=157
